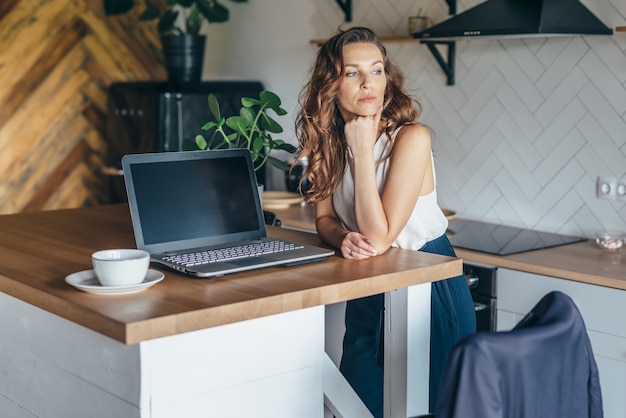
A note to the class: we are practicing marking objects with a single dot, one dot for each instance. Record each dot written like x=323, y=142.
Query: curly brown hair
x=319, y=125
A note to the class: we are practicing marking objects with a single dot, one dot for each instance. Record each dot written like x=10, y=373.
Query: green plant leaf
x=232, y=139
x=269, y=99
x=281, y=165
x=236, y=123
x=249, y=102
x=257, y=145
x=270, y=124
x=284, y=146
x=201, y=142
x=213, y=11
x=214, y=107
x=117, y=7
x=195, y=11
x=248, y=114
x=194, y=22
x=166, y=22
x=209, y=125
x=279, y=111
x=149, y=13
x=189, y=145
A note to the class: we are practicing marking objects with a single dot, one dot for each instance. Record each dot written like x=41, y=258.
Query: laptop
x=190, y=209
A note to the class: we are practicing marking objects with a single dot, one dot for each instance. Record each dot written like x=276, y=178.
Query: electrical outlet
x=620, y=189
x=606, y=188
x=611, y=188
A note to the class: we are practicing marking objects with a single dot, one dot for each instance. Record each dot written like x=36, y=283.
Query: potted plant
x=251, y=129
x=179, y=24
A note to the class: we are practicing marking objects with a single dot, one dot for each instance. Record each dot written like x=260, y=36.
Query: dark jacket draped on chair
x=544, y=367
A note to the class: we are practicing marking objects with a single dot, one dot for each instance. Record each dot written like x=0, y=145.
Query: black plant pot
x=184, y=56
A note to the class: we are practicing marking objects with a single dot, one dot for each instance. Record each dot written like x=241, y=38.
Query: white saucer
x=88, y=282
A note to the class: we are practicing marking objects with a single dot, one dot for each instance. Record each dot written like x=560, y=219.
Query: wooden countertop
x=581, y=262
x=38, y=250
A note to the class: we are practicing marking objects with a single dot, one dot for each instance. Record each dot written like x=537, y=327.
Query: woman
x=373, y=185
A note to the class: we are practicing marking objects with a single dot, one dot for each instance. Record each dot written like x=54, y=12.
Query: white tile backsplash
x=520, y=82
x=523, y=57
x=604, y=80
x=607, y=147
x=523, y=124
x=564, y=93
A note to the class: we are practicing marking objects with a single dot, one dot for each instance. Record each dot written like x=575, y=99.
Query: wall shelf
x=449, y=66
x=346, y=7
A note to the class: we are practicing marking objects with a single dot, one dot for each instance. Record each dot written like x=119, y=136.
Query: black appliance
x=156, y=117
x=502, y=240
x=482, y=283
x=498, y=240
x=518, y=18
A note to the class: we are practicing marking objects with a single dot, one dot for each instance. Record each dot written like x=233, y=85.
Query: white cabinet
x=266, y=367
x=603, y=310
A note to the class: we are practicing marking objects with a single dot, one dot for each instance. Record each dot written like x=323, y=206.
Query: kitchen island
x=248, y=344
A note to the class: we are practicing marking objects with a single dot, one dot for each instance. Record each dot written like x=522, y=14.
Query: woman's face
x=362, y=89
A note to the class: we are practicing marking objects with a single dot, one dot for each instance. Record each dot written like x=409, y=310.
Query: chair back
x=544, y=367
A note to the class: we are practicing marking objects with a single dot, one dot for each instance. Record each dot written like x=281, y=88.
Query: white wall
x=520, y=138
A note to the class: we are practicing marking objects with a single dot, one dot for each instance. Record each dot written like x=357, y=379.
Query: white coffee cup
x=120, y=267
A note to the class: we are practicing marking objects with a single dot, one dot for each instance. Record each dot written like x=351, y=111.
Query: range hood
x=518, y=18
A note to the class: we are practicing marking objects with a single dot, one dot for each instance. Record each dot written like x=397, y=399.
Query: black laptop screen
x=193, y=199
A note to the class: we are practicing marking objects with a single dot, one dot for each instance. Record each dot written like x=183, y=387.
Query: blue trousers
x=452, y=317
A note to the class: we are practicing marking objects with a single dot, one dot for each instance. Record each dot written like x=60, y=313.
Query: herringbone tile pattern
x=530, y=123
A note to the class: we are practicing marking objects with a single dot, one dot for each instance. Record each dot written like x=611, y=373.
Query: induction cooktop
x=502, y=240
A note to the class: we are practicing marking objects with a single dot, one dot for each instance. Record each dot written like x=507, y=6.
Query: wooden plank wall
x=57, y=59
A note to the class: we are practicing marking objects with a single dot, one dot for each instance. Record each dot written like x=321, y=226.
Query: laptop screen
x=190, y=199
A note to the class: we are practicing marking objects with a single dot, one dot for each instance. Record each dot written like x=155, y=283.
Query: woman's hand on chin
x=363, y=131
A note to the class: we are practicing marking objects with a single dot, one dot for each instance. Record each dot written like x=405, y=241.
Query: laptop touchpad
x=244, y=262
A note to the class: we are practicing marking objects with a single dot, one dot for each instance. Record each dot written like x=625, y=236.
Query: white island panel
x=265, y=367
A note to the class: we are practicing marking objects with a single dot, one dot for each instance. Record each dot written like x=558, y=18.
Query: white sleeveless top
x=427, y=221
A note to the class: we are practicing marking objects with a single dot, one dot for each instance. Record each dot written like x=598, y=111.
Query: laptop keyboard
x=232, y=253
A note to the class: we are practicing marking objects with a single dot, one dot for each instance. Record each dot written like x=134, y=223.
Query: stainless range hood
x=518, y=18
